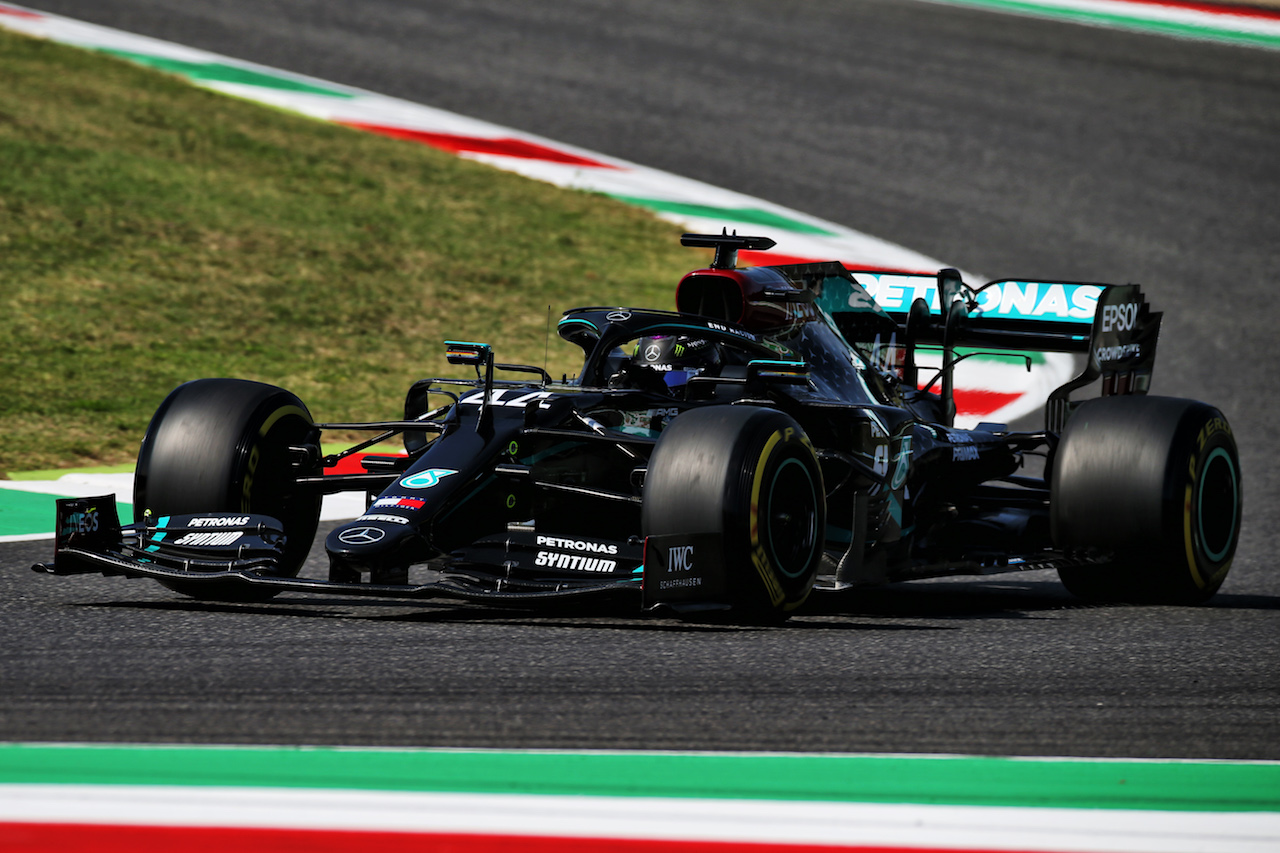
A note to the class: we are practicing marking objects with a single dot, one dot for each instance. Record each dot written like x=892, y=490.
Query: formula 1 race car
x=775, y=435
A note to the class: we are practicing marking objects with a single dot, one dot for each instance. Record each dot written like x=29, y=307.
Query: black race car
x=774, y=436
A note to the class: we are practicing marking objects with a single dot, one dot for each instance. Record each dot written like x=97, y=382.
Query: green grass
x=152, y=232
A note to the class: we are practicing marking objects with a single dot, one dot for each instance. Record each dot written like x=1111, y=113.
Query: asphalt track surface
x=1008, y=146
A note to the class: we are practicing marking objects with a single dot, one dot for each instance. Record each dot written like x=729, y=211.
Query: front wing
x=244, y=549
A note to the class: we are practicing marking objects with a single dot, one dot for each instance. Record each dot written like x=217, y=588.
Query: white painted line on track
x=690, y=819
x=1242, y=25
x=1224, y=18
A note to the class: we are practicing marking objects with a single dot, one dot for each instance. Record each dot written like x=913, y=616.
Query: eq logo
x=426, y=479
x=680, y=558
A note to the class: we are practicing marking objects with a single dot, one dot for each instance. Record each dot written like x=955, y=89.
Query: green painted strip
x=978, y=781
x=219, y=72
x=23, y=513
x=1169, y=28
x=753, y=215
x=30, y=513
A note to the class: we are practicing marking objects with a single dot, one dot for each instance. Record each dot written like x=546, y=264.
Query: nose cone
x=359, y=536
x=373, y=544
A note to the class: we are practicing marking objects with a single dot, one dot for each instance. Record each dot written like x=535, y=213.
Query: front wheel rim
x=792, y=535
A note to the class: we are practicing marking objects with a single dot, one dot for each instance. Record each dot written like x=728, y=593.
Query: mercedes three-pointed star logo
x=361, y=535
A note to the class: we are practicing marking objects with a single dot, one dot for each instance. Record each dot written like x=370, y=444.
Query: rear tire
x=1155, y=481
x=221, y=445
x=750, y=476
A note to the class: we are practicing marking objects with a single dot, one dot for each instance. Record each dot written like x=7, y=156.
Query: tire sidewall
x=778, y=465
x=1204, y=521
x=221, y=445
x=1154, y=481
x=730, y=472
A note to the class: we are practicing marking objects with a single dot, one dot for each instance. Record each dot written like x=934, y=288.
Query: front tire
x=1155, y=481
x=750, y=476
x=222, y=445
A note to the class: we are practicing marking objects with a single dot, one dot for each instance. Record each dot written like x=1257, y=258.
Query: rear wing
x=1112, y=325
x=1005, y=314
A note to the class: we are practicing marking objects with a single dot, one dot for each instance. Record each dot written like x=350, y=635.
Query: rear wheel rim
x=1216, y=516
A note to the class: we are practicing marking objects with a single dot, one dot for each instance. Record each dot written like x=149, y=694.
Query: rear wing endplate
x=1122, y=351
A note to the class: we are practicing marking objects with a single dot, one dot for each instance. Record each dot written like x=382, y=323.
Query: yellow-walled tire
x=750, y=476
x=222, y=445
x=1155, y=482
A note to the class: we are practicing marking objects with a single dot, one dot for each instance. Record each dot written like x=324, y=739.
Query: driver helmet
x=676, y=358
